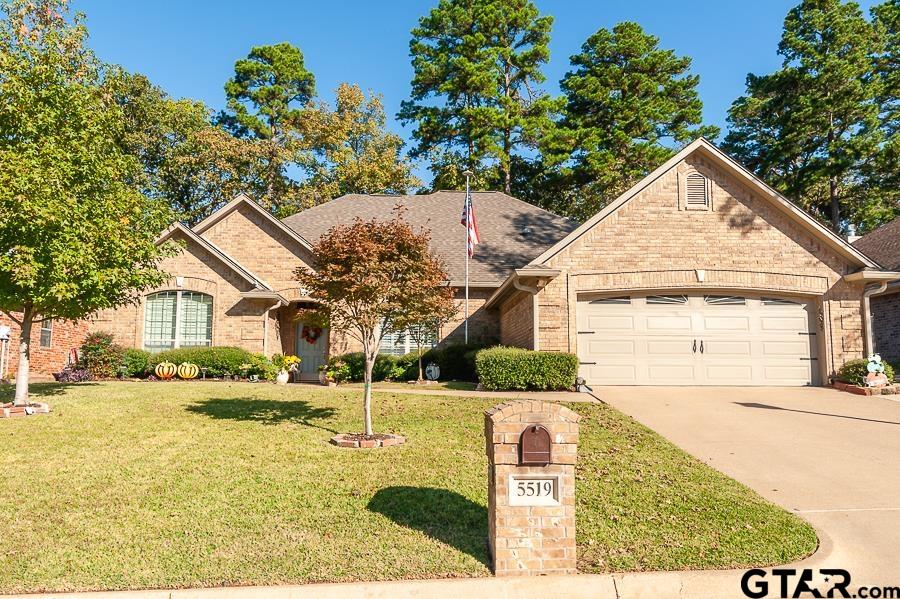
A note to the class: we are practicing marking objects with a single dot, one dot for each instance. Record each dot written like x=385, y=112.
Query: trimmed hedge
x=456, y=361
x=218, y=361
x=136, y=362
x=101, y=356
x=515, y=369
x=386, y=366
x=855, y=371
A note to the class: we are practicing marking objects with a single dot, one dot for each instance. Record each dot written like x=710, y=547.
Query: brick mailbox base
x=531, y=448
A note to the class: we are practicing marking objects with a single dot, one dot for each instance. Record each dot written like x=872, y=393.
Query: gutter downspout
x=266, y=328
x=867, y=316
x=535, y=334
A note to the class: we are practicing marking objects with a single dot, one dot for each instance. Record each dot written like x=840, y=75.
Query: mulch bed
x=361, y=441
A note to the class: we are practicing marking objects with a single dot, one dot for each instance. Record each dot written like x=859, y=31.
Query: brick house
x=883, y=245
x=698, y=275
x=52, y=345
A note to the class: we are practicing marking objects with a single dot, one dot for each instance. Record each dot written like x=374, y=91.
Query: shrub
x=218, y=361
x=456, y=361
x=514, y=369
x=855, y=371
x=72, y=374
x=386, y=366
x=136, y=362
x=101, y=356
x=337, y=371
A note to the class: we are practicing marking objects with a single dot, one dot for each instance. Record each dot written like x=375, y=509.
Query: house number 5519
x=534, y=488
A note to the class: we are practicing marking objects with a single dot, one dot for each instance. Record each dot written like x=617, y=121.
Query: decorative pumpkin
x=165, y=370
x=187, y=370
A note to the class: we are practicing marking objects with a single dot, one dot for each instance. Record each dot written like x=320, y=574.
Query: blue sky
x=189, y=47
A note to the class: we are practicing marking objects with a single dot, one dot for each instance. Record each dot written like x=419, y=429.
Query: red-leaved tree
x=372, y=278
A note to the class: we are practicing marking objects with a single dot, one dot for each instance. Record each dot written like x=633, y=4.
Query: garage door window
x=612, y=301
x=724, y=300
x=666, y=300
x=774, y=301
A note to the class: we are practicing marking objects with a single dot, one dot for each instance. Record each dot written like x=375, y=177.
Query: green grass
x=135, y=485
x=439, y=385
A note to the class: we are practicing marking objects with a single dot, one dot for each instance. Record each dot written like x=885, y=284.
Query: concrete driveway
x=831, y=457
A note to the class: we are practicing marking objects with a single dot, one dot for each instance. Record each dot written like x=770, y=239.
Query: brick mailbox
x=531, y=448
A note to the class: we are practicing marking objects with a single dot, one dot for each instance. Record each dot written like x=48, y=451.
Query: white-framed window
x=177, y=319
x=398, y=343
x=47, y=333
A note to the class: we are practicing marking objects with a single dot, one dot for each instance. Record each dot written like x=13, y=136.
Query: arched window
x=177, y=319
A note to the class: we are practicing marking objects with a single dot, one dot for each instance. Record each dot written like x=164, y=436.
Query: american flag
x=468, y=221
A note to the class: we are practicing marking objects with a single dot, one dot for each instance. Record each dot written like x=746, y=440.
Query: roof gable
x=734, y=168
x=215, y=251
x=245, y=200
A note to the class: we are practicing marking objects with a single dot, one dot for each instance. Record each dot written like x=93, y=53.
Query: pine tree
x=474, y=100
x=625, y=97
x=810, y=128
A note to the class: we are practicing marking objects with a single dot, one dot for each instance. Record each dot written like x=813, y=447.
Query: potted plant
x=285, y=365
x=336, y=372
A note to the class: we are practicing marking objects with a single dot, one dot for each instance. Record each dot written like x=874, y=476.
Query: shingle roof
x=882, y=245
x=512, y=232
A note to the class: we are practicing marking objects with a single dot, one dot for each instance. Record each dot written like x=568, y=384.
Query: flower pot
x=282, y=377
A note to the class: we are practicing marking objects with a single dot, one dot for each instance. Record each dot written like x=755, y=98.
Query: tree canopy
x=475, y=100
x=811, y=128
x=78, y=234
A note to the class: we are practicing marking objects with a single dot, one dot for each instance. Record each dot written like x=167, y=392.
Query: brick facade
x=886, y=326
x=531, y=539
x=64, y=337
x=744, y=242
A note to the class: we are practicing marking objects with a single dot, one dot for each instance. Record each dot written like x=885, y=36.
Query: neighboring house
x=883, y=245
x=698, y=275
x=53, y=345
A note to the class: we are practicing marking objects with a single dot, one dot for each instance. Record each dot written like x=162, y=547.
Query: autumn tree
x=475, y=101
x=372, y=278
x=76, y=231
x=267, y=101
x=354, y=153
x=810, y=128
x=628, y=103
x=191, y=164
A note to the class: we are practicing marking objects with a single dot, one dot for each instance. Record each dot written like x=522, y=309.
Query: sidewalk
x=560, y=396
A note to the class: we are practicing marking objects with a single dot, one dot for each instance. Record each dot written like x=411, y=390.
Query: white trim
x=835, y=241
x=241, y=198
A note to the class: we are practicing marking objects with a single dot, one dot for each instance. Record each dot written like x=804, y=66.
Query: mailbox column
x=531, y=448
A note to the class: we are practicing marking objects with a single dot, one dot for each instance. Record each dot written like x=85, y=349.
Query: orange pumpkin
x=187, y=370
x=165, y=370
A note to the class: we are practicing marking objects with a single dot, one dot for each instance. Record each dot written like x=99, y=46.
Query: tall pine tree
x=810, y=128
x=474, y=100
x=628, y=101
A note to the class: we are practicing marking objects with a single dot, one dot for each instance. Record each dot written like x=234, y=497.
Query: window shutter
x=697, y=191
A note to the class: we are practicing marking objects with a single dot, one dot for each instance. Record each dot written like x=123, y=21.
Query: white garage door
x=696, y=340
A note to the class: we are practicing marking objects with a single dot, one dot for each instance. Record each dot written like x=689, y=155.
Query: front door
x=312, y=349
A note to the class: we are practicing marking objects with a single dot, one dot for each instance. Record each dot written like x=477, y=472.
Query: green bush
x=136, y=362
x=855, y=371
x=386, y=366
x=456, y=361
x=218, y=361
x=101, y=356
x=515, y=369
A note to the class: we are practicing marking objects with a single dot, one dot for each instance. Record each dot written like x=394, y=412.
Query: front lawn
x=133, y=485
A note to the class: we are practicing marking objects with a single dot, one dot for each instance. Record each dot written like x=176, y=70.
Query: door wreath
x=311, y=334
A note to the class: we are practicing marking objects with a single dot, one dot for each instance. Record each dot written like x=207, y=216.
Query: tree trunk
x=367, y=393
x=507, y=167
x=835, y=206
x=21, y=398
x=420, y=363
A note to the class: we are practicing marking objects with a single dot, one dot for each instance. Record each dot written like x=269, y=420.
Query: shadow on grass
x=441, y=514
x=264, y=411
x=39, y=390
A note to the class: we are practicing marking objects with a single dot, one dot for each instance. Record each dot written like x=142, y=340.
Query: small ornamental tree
x=372, y=278
x=76, y=234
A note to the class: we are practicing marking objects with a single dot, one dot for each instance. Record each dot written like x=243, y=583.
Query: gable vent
x=697, y=191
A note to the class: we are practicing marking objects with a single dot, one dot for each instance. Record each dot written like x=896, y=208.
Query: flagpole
x=468, y=200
